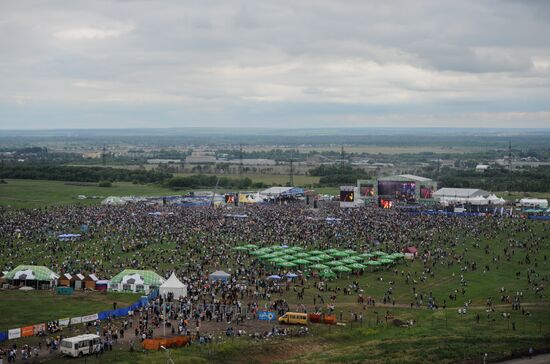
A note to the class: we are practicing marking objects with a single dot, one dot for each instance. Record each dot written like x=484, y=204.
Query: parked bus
x=293, y=318
x=81, y=345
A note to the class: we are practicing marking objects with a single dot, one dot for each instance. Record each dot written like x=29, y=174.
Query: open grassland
x=20, y=308
x=37, y=193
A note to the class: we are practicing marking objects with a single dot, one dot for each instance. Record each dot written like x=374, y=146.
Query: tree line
x=83, y=174
x=202, y=180
x=335, y=175
x=496, y=179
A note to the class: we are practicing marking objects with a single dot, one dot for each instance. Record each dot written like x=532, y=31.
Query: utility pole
x=104, y=155
x=240, y=160
x=342, y=156
x=510, y=155
x=291, y=176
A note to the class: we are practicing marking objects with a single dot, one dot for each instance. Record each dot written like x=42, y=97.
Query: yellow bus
x=293, y=318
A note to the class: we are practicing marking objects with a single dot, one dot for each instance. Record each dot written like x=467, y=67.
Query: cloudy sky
x=148, y=63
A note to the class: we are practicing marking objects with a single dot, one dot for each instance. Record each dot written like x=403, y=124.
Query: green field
x=21, y=308
x=35, y=193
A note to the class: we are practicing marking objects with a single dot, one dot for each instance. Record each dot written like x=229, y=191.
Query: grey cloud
x=208, y=56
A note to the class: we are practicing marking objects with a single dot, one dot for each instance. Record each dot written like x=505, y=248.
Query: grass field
x=35, y=193
x=21, y=308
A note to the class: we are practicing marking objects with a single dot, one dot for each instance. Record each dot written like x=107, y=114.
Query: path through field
x=539, y=359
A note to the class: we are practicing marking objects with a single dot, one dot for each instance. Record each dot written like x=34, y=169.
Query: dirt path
x=539, y=359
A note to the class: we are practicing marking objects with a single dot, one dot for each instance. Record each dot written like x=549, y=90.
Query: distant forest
x=496, y=179
x=82, y=174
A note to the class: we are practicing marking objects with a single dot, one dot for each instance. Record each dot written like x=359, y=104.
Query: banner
x=266, y=316
x=104, y=315
x=14, y=334
x=89, y=318
x=64, y=321
x=76, y=320
x=27, y=331
x=39, y=328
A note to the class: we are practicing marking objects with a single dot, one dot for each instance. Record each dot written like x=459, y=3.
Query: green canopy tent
x=315, y=258
x=136, y=280
x=373, y=263
x=357, y=266
x=385, y=261
x=334, y=263
x=319, y=266
x=301, y=262
x=315, y=252
x=324, y=256
x=257, y=252
x=347, y=261
x=379, y=253
x=251, y=246
x=301, y=255
x=327, y=273
x=340, y=254
x=34, y=275
x=240, y=248
x=330, y=251
x=288, y=257
x=276, y=260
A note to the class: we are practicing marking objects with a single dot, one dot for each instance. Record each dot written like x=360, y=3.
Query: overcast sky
x=101, y=63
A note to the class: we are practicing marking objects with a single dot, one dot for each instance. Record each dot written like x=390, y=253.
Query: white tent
x=534, y=203
x=478, y=200
x=173, y=285
x=494, y=200
x=219, y=275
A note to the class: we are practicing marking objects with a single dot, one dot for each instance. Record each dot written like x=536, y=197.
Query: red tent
x=411, y=250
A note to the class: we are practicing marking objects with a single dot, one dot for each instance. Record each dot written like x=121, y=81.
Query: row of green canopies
x=328, y=262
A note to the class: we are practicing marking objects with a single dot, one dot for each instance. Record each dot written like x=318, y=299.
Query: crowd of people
x=194, y=241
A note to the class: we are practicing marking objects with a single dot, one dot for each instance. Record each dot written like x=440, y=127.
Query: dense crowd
x=195, y=241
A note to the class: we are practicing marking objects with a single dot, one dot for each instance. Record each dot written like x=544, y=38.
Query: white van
x=81, y=345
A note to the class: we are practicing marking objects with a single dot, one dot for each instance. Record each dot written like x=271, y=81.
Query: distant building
x=482, y=168
x=201, y=158
x=253, y=162
x=163, y=161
